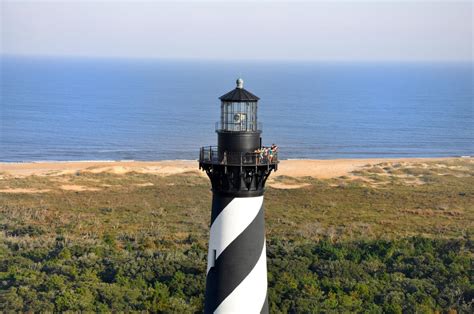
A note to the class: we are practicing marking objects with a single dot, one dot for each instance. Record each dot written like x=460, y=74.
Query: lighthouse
x=238, y=167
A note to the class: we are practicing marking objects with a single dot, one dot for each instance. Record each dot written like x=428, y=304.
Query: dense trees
x=408, y=275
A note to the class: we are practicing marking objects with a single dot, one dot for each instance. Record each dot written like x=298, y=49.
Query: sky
x=259, y=30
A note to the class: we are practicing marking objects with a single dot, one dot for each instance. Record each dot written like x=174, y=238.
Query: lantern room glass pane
x=239, y=116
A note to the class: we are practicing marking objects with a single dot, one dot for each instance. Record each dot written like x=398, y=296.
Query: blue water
x=98, y=109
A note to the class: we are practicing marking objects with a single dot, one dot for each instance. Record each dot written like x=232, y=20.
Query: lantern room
x=239, y=141
x=238, y=110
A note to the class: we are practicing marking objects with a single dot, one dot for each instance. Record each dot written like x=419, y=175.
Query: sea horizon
x=76, y=108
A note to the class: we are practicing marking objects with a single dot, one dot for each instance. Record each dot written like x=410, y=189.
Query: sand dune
x=322, y=169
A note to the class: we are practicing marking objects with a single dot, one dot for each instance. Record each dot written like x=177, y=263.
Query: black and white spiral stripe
x=237, y=267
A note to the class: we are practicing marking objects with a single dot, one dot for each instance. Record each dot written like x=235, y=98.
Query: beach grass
x=434, y=200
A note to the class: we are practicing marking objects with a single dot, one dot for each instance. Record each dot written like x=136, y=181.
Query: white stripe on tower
x=237, y=267
x=250, y=294
x=230, y=223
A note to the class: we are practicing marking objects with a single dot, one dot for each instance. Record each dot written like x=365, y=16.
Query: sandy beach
x=322, y=169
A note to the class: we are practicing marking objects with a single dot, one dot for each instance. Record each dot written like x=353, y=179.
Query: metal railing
x=239, y=127
x=210, y=155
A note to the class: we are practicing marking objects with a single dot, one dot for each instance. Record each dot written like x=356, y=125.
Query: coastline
x=317, y=168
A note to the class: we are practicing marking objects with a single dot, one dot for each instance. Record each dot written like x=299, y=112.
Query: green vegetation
x=391, y=238
x=413, y=274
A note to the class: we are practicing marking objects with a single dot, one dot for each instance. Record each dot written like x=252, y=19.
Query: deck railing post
x=240, y=162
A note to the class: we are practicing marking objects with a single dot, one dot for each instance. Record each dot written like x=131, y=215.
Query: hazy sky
x=318, y=30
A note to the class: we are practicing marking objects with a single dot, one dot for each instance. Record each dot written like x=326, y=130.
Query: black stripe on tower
x=236, y=261
x=219, y=202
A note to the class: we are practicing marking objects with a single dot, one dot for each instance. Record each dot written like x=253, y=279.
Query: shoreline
x=318, y=168
x=52, y=161
x=186, y=160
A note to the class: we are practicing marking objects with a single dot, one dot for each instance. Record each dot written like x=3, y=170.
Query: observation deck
x=209, y=156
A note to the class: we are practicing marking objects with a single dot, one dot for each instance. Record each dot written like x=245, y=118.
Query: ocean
x=65, y=109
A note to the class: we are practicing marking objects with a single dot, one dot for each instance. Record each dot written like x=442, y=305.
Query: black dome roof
x=239, y=95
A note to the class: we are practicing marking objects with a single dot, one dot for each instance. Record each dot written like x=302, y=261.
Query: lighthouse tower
x=238, y=168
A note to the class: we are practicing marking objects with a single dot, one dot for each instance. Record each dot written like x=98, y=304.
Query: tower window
x=214, y=257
